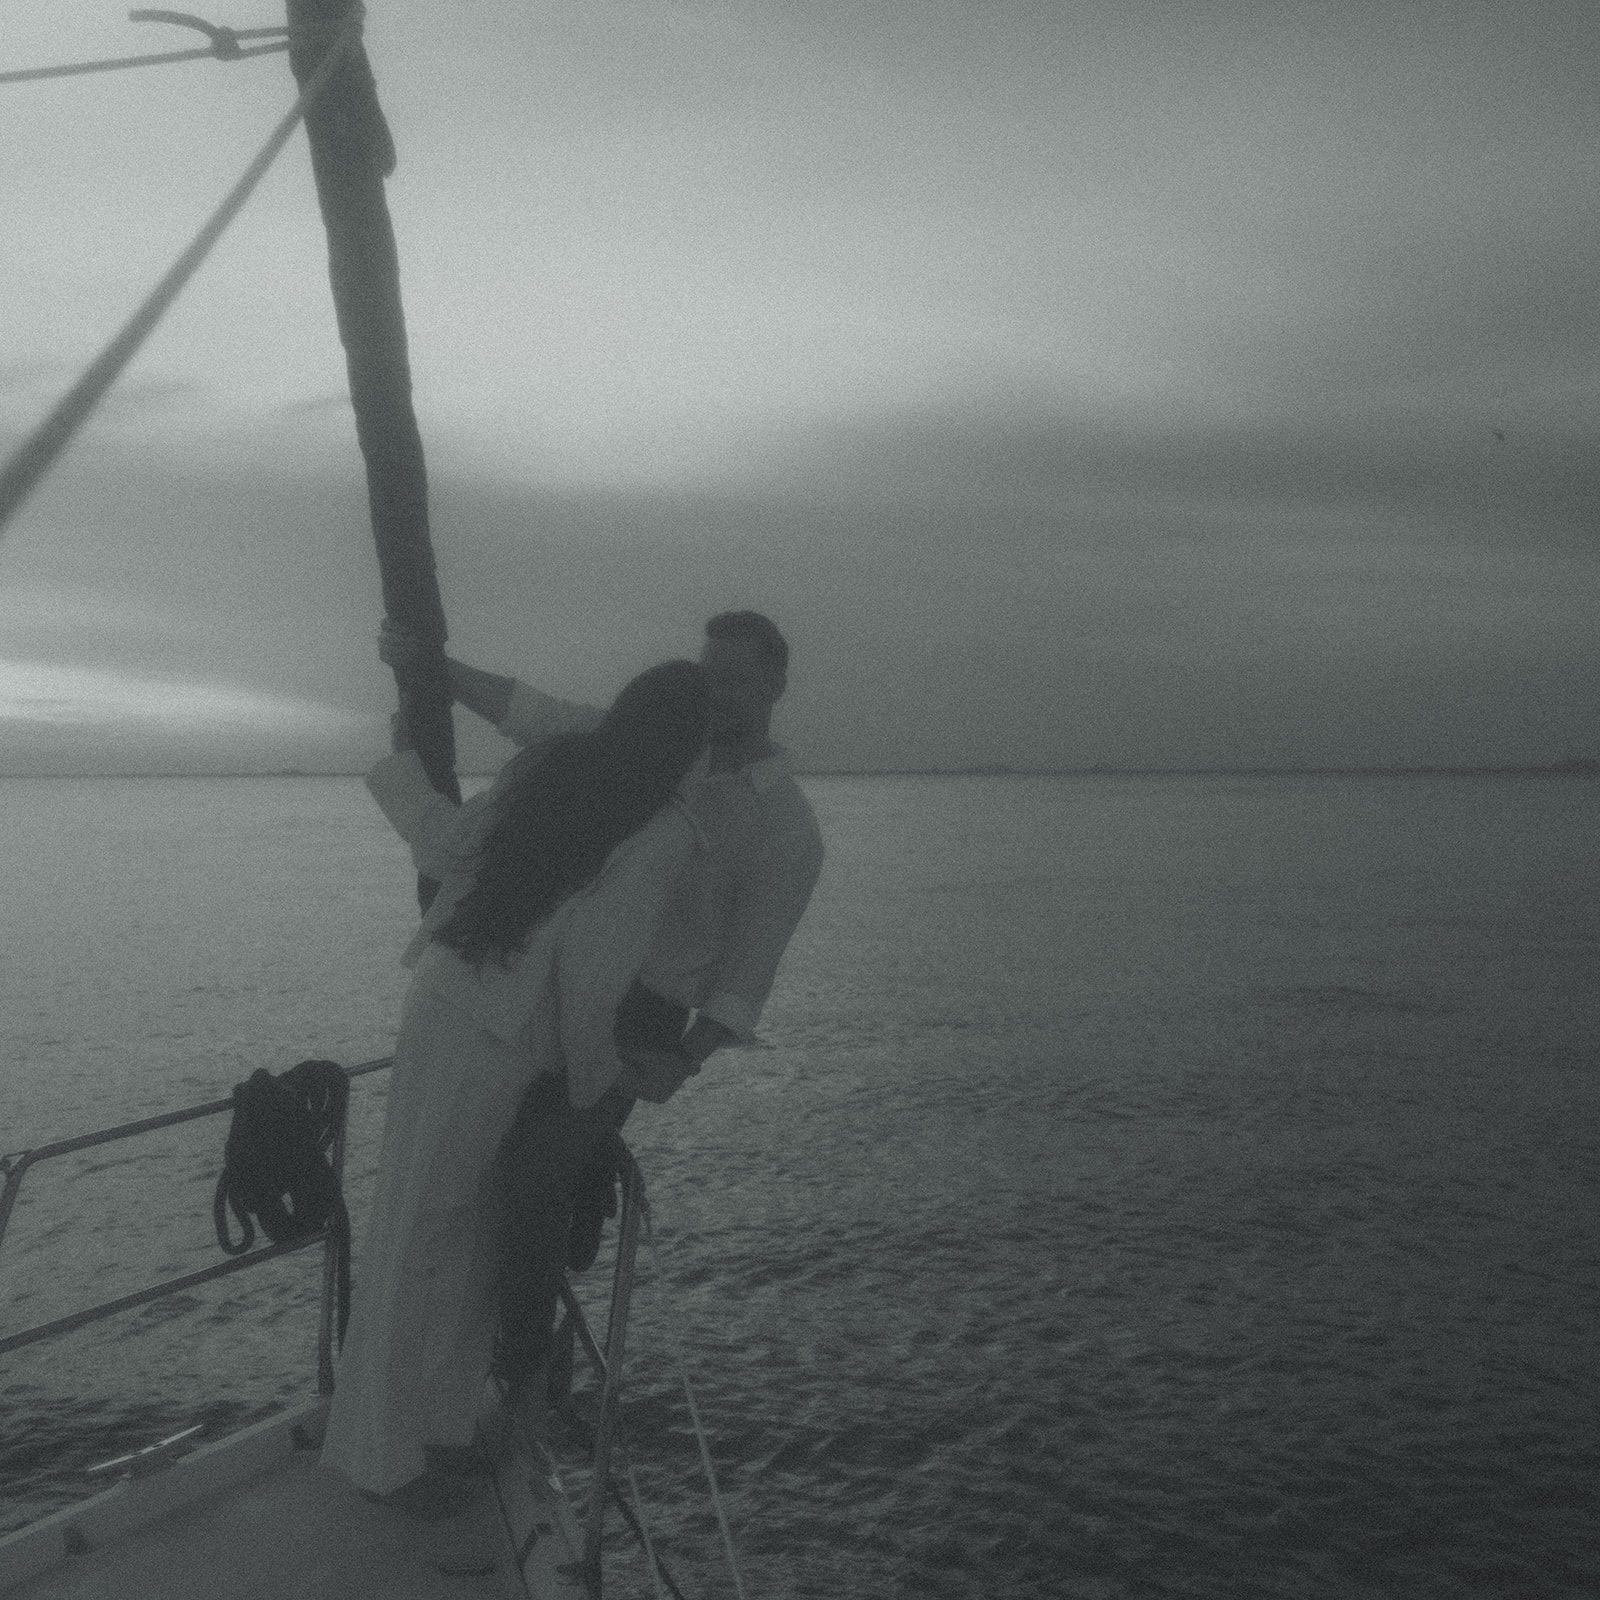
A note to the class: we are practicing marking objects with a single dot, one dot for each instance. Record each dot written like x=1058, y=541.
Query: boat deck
x=255, y=1517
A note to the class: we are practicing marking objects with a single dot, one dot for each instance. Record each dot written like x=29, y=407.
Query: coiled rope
x=40, y=450
x=224, y=46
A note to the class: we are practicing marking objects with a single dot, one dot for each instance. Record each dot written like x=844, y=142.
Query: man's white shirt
x=732, y=912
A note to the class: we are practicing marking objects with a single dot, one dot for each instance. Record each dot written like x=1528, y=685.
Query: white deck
x=254, y=1517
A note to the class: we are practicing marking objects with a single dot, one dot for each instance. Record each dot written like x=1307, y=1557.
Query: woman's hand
x=655, y=1075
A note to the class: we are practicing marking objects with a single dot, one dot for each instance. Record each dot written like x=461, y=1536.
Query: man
x=726, y=927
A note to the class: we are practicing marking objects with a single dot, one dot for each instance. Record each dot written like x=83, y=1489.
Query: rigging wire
x=694, y=1418
x=31, y=74
x=224, y=46
x=633, y=1515
x=39, y=452
x=652, y=1560
x=219, y=33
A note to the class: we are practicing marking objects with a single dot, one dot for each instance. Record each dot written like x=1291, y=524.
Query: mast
x=352, y=152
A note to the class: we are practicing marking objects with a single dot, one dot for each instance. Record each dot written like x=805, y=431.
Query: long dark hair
x=562, y=811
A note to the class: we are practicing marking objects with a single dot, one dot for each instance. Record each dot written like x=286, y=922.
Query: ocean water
x=1143, y=1187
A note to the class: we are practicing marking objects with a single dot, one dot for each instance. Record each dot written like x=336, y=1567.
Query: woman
x=551, y=887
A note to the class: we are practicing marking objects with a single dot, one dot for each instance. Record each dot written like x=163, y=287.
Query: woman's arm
x=606, y=936
x=428, y=821
x=487, y=693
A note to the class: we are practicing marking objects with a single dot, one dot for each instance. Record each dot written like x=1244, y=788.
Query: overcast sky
x=1117, y=382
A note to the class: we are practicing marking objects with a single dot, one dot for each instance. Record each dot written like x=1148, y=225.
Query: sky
x=1106, y=384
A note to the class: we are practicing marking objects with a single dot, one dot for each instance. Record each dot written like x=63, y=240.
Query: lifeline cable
x=40, y=450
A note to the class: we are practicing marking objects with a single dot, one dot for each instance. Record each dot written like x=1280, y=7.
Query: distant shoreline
x=1559, y=769
x=1553, y=769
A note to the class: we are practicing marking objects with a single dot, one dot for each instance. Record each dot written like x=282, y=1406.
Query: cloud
x=1033, y=470
x=633, y=236
x=47, y=692
x=24, y=376
x=310, y=405
x=57, y=718
x=956, y=596
x=1106, y=382
x=995, y=577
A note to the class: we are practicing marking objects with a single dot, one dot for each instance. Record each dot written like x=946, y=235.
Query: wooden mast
x=352, y=152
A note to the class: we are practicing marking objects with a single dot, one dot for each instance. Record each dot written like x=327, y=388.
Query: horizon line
x=1576, y=766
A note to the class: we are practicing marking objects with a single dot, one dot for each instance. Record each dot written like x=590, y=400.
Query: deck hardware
x=150, y=1459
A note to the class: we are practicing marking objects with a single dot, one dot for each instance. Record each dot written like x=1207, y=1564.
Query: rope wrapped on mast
x=352, y=152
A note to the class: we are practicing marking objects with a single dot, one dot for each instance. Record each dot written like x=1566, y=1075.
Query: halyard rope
x=39, y=452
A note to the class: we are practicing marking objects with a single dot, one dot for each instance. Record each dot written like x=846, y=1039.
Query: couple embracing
x=611, y=911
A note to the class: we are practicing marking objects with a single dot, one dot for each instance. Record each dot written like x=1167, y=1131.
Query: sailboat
x=252, y=1513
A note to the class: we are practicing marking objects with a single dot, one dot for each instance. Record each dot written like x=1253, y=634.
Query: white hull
x=543, y=1535
x=254, y=1517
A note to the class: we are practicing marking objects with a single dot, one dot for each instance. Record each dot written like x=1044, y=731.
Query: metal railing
x=16, y=1167
x=608, y=1365
x=606, y=1362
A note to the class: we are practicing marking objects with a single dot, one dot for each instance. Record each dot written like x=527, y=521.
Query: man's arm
x=487, y=693
x=525, y=718
x=767, y=909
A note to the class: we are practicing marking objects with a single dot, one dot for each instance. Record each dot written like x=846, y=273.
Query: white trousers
x=416, y=1353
